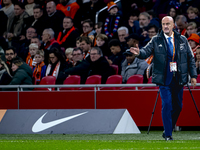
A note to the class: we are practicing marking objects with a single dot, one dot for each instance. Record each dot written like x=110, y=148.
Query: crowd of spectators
x=60, y=38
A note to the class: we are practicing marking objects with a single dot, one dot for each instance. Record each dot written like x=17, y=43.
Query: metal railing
x=97, y=13
x=95, y=86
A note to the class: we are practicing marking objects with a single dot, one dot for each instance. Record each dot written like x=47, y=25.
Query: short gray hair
x=50, y=32
x=182, y=18
x=99, y=51
x=123, y=28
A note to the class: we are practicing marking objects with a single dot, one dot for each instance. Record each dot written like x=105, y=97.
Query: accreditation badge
x=173, y=67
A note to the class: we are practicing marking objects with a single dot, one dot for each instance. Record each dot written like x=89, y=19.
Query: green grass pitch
x=183, y=140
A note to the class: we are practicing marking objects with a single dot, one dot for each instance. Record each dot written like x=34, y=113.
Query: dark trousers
x=172, y=96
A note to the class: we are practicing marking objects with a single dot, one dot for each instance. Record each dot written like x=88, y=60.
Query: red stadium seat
x=48, y=80
x=115, y=67
x=94, y=79
x=113, y=79
x=134, y=79
x=73, y=79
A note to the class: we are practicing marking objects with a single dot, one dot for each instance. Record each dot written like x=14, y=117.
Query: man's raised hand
x=135, y=50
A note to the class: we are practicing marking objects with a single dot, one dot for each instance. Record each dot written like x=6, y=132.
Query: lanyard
x=173, y=49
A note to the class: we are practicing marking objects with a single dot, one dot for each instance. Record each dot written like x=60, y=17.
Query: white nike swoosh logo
x=39, y=126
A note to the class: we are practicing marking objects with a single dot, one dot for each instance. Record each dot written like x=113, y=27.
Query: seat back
x=48, y=80
x=73, y=79
x=134, y=79
x=113, y=79
x=93, y=79
x=115, y=67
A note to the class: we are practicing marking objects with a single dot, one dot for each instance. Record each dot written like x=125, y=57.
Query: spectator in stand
x=68, y=7
x=102, y=43
x=85, y=45
x=132, y=66
x=29, y=7
x=54, y=17
x=144, y=20
x=113, y=21
x=9, y=55
x=192, y=14
x=5, y=76
x=81, y=67
x=173, y=12
x=67, y=37
x=98, y=29
x=78, y=41
x=181, y=24
x=99, y=65
x=182, y=5
x=117, y=56
x=132, y=40
x=24, y=47
x=57, y=63
x=8, y=9
x=37, y=41
x=122, y=34
x=22, y=74
x=48, y=43
x=152, y=30
x=153, y=18
x=194, y=41
x=68, y=54
x=40, y=68
x=87, y=27
x=198, y=60
x=37, y=20
x=30, y=60
x=133, y=23
x=16, y=23
x=192, y=28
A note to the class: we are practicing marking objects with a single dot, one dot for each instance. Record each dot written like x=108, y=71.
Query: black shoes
x=168, y=138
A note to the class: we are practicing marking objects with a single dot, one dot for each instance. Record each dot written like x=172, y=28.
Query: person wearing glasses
x=99, y=65
x=81, y=67
x=10, y=54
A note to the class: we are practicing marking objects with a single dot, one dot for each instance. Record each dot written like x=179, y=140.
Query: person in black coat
x=81, y=67
x=37, y=21
x=54, y=18
x=117, y=56
x=99, y=65
x=67, y=36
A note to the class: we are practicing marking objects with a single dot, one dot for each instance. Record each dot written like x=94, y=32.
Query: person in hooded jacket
x=22, y=74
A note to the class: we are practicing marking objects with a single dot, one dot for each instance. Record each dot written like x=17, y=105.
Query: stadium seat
x=134, y=79
x=73, y=79
x=115, y=67
x=113, y=79
x=48, y=80
x=94, y=79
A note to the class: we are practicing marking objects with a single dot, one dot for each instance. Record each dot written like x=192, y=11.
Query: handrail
x=97, y=13
x=82, y=85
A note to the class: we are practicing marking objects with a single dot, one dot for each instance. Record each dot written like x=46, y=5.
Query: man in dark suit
x=173, y=60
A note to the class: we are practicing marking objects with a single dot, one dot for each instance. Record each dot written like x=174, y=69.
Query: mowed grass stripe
x=96, y=144
x=186, y=140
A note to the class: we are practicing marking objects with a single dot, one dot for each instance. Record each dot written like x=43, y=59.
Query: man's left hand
x=193, y=82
